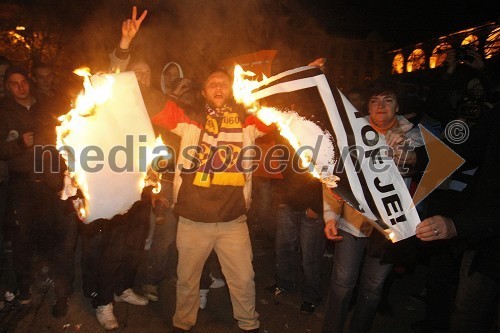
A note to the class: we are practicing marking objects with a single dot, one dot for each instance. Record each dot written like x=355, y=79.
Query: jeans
x=477, y=300
x=163, y=241
x=298, y=234
x=348, y=258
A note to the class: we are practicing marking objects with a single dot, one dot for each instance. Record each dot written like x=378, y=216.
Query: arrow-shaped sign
x=443, y=162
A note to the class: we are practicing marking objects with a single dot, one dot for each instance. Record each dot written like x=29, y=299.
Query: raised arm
x=120, y=56
x=130, y=28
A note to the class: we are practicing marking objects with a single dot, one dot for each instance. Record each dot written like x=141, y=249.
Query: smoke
x=199, y=34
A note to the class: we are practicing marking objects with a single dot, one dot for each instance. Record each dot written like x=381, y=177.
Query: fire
x=88, y=126
x=287, y=122
x=153, y=178
x=84, y=107
x=93, y=96
x=242, y=88
x=283, y=120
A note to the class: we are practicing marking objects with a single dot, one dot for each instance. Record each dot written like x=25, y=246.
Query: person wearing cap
x=36, y=175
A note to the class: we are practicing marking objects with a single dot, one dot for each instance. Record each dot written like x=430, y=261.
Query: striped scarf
x=221, y=142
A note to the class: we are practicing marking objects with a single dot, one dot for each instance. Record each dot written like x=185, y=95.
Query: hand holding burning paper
x=303, y=134
x=343, y=144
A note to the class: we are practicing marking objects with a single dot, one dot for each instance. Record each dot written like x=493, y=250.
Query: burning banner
x=106, y=140
x=357, y=163
x=257, y=62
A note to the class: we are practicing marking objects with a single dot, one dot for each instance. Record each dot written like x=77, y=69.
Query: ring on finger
x=436, y=233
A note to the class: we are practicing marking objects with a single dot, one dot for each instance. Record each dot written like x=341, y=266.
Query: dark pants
x=3, y=205
x=441, y=283
x=300, y=243
x=261, y=209
x=65, y=233
x=40, y=221
x=112, y=253
x=163, y=242
x=477, y=300
x=30, y=215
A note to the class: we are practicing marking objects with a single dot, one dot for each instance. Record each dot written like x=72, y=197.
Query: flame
x=77, y=128
x=242, y=91
x=242, y=88
x=84, y=106
x=271, y=115
x=93, y=96
x=80, y=208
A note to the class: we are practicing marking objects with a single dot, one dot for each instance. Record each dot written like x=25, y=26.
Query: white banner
x=369, y=179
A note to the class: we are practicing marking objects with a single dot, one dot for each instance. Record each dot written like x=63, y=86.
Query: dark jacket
x=300, y=190
x=29, y=163
x=479, y=221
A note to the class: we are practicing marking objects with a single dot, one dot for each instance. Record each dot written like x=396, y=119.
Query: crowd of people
x=199, y=219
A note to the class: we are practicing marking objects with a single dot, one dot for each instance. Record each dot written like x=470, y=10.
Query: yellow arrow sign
x=443, y=162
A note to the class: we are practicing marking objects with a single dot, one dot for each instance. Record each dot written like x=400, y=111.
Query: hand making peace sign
x=130, y=27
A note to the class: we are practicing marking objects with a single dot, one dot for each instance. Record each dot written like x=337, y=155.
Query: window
x=492, y=45
x=439, y=55
x=398, y=64
x=471, y=40
x=416, y=61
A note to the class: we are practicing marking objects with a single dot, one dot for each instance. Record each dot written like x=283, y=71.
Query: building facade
x=431, y=54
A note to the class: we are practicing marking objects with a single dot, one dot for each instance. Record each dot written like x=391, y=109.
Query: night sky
x=197, y=32
x=402, y=22
x=398, y=21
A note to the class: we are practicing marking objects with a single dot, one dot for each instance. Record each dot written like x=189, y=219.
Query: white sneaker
x=203, y=298
x=105, y=316
x=131, y=298
x=216, y=282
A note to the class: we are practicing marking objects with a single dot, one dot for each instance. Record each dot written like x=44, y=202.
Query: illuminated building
x=431, y=54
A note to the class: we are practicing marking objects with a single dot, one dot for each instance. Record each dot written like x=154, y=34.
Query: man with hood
x=170, y=72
